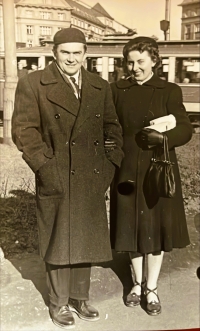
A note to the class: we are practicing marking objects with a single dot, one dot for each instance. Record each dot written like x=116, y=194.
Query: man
x=21, y=71
x=63, y=115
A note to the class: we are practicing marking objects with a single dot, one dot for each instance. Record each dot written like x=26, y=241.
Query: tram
x=180, y=64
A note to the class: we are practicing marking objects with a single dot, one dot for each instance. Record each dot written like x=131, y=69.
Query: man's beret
x=69, y=35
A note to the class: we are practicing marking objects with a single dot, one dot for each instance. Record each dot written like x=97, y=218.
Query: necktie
x=76, y=85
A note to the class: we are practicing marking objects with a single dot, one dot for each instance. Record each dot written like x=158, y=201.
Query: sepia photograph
x=99, y=165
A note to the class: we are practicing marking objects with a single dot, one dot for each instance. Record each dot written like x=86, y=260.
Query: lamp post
x=165, y=24
x=10, y=67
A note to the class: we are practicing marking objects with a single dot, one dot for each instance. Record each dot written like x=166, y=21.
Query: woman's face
x=139, y=65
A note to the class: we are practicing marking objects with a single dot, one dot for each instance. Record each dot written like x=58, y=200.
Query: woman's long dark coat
x=64, y=146
x=137, y=223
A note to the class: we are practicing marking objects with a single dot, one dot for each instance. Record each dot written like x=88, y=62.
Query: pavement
x=24, y=297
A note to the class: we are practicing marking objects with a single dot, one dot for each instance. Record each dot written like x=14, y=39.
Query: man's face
x=70, y=57
x=139, y=65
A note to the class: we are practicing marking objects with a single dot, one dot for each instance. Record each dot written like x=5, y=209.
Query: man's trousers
x=68, y=281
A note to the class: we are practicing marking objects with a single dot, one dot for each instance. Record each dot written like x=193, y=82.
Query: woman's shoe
x=154, y=307
x=133, y=299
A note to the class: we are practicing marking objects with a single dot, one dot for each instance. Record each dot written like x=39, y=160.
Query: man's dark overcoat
x=63, y=143
x=139, y=223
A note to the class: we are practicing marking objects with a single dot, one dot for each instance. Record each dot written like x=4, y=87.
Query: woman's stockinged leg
x=134, y=297
x=138, y=264
x=154, y=263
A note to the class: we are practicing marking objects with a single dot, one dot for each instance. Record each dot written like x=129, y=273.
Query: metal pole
x=167, y=17
x=10, y=67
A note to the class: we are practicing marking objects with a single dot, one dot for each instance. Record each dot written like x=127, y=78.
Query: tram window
x=117, y=69
x=187, y=70
x=94, y=65
x=162, y=70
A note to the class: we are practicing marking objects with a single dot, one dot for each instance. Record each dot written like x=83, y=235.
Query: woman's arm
x=182, y=133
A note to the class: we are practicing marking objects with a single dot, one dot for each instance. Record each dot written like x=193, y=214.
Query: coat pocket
x=48, y=180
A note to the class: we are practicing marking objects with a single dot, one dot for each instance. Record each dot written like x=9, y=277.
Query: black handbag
x=159, y=179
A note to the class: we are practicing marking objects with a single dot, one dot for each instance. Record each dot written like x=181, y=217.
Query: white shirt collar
x=142, y=82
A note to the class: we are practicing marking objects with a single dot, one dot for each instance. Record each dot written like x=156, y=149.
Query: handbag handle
x=157, y=157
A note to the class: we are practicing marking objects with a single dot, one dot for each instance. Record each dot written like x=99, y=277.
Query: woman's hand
x=148, y=137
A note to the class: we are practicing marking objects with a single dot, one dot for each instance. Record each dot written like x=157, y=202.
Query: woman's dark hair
x=141, y=47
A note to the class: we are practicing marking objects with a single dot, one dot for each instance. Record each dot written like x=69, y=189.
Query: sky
x=144, y=15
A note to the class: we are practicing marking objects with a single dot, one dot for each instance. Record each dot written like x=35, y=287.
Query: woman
x=141, y=225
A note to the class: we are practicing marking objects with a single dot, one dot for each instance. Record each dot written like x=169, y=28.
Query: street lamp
x=164, y=26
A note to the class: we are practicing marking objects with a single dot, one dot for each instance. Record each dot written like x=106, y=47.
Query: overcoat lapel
x=90, y=98
x=58, y=91
x=63, y=96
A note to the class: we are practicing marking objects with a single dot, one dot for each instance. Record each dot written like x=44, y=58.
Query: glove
x=149, y=137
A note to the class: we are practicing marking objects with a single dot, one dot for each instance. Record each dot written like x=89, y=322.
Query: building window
x=82, y=25
x=45, y=30
x=188, y=32
x=61, y=16
x=79, y=23
x=86, y=25
x=45, y=15
x=29, y=43
x=29, y=29
x=197, y=31
x=29, y=13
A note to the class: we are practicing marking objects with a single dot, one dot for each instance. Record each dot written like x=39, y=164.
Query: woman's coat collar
x=154, y=81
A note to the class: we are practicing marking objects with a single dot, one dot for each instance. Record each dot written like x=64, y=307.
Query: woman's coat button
x=57, y=116
x=96, y=171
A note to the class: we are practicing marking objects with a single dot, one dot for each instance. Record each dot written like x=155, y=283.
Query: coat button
x=96, y=142
x=96, y=171
x=57, y=116
x=98, y=115
x=73, y=143
x=73, y=172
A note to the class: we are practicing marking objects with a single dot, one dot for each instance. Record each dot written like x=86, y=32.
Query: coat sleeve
x=112, y=128
x=26, y=133
x=182, y=133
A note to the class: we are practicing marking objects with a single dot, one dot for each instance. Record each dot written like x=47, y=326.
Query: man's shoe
x=83, y=310
x=62, y=316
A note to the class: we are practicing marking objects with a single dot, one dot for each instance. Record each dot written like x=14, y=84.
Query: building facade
x=190, y=27
x=38, y=20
